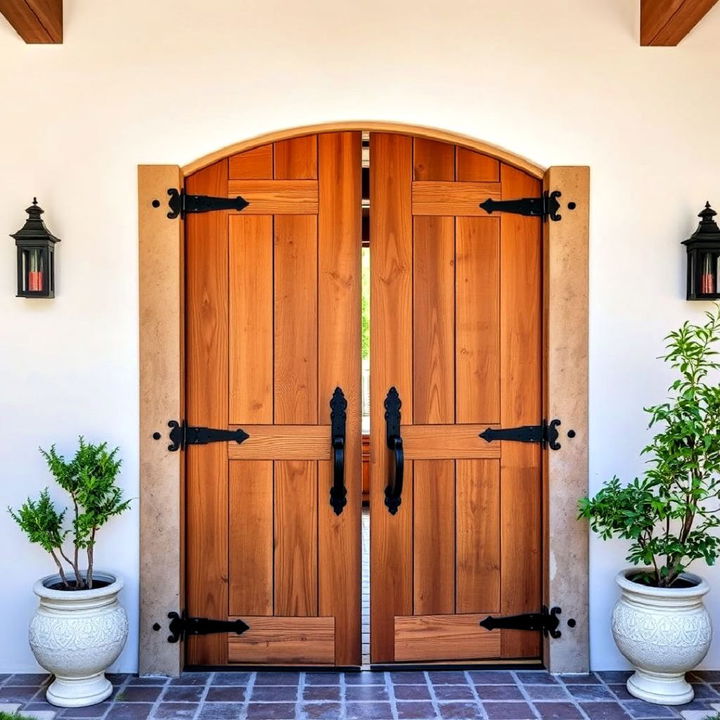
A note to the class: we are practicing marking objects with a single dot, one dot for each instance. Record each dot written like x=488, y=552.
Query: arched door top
x=373, y=126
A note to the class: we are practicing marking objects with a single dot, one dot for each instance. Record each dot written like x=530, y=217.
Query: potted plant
x=670, y=516
x=79, y=628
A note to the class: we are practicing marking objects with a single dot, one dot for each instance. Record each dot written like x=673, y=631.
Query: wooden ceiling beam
x=36, y=21
x=667, y=22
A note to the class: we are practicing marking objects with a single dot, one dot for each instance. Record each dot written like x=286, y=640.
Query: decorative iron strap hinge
x=182, y=435
x=547, y=205
x=546, y=622
x=181, y=626
x=181, y=204
x=545, y=434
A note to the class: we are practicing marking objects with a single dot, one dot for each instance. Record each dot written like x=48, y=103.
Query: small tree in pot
x=79, y=628
x=670, y=516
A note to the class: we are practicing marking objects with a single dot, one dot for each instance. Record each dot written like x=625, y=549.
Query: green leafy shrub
x=670, y=514
x=90, y=479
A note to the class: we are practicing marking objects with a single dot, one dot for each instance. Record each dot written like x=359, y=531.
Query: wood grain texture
x=391, y=330
x=296, y=571
x=207, y=405
x=282, y=442
x=475, y=166
x=667, y=22
x=284, y=641
x=250, y=328
x=444, y=637
x=276, y=197
x=296, y=159
x=296, y=330
x=35, y=21
x=478, y=536
x=520, y=389
x=162, y=477
x=452, y=198
x=444, y=442
x=433, y=319
x=255, y=164
x=433, y=160
x=417, y=131
x=434, y=537
x=339, y=247
x=251, y=538
x=566, y=270
x=477, y=320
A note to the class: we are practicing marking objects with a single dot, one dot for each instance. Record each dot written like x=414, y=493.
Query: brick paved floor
x=440, y=695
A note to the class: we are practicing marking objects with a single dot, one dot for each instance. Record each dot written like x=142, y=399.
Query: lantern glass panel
x=34, y=269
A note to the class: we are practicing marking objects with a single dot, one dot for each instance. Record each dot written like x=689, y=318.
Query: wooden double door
x=273, y=328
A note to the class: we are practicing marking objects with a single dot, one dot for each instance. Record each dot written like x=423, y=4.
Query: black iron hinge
x=181, y=203
x=546, y=206
x=181, y=626
x=546, y=621
x=182, y=435
x=545, y=434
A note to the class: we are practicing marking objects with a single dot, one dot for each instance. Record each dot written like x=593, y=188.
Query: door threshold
x=464, y=665
x=272, y=668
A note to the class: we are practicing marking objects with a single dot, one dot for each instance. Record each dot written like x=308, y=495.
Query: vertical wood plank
x=434, y=537
x=478, y=320
x=256, y=164
x=296, y=159
x=295, y=362
x=391, y=364
x=339, y=247
x=478, y=536
x=251, y=319
x=296, y=573
x=520, y=383
x=475, y=167
x=434, y=320
x=251, y=537
x=433, y=160
x=207, y=404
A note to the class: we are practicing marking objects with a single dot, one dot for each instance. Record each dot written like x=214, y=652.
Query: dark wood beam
x=36, y=21
x=667, y=22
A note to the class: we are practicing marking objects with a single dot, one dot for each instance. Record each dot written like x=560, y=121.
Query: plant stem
x=91, y=558
x=60, y=568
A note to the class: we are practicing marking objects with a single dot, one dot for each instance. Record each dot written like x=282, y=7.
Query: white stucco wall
x=170, y=80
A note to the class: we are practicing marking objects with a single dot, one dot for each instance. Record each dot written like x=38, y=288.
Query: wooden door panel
x=427, y=638
x=391, y=325
x=284, y=641
x=276, y=197
x=255, y=164
x=250, y=326
x=263, y=541
x=434, y=537
x=475, y=325
x=478, y=536
x=296, y=538
x=296, y=330
x=433, y=320
x=206, y=519
x=251, y=526
x=339, y=248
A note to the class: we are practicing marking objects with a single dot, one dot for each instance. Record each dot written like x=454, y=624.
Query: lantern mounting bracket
x=180, y=203
x=546, y=206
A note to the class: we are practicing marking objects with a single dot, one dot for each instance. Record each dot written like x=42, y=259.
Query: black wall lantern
x=35, y=256
x=703, y=257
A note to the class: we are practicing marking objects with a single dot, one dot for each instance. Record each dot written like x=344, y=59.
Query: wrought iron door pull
x=393, y=491
x=338, y=415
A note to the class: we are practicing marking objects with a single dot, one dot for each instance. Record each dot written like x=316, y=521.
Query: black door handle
x=393, y=491
x=338, y=491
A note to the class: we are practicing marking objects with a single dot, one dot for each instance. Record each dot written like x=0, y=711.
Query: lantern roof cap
x=707, y=230
x=34, y=228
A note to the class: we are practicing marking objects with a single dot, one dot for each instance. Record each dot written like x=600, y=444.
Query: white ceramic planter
x=76, y=636
x=663, y=632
